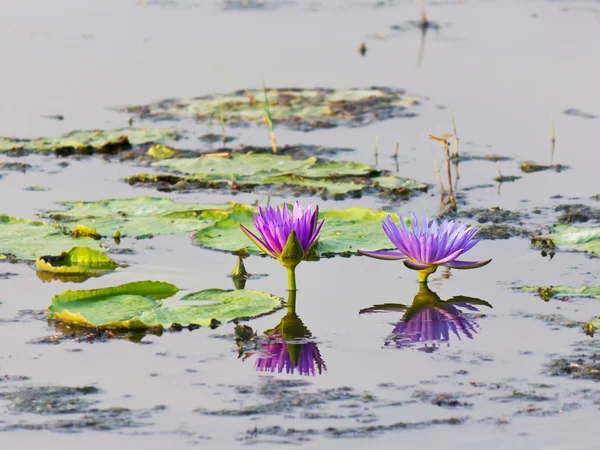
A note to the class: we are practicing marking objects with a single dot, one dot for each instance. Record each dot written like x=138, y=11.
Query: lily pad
x=250, y=170
x=77, y=261
x=214, y=304
x=90, y=141
x=344, y=232
x=570, y=238
x=114, y=307
x=24, y=239
x=159, y=151
x=303, y=109
x=141, y=216
x=547, y=292
x=137, y=306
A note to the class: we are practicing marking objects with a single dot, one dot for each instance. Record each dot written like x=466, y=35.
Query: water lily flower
x=425, y=247
x=286, y=235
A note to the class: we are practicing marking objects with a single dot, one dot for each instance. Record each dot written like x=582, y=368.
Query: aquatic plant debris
x=91, y=141
x=300, y=109
x=548, y=292
x=137, y=306
x=570, y=238
x=344, y=229
x=249, y=171
x=424, y=248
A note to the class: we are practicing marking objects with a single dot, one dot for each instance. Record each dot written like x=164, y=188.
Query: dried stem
x=424, y=21
x=439, y=176
x=449, y=173
x=455, y=154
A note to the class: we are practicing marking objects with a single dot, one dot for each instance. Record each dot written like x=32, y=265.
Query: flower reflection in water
x=430, y=320
x=288, y=347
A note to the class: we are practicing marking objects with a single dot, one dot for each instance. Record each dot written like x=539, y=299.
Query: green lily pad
x=214, y=304
x=136, y=306
x=141, y=216
x=345, y=231
x=303, y=109
x=570, y=238
x=246, y=171
x=114, y=307
x=25, y=239
x=77, y=261
x=90, y=141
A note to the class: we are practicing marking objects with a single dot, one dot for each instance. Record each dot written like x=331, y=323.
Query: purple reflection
x=278, y=356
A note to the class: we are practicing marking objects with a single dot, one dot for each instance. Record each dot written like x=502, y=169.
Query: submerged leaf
x=548, y=292
x=91, y=140
x=305, y=109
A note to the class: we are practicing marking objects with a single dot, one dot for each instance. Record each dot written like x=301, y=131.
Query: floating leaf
x=214, y=304
x=345, y=231
x=548, y=292
x=77, y=261
x=114, y=307
x=90, y=140
x=247, y=171
x=136, y=306
x=566, y=237
x=304, y=109
x=83, y=231
x=141, y=216
x=28, y=239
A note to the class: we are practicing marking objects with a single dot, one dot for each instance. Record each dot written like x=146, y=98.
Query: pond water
x=509, y=69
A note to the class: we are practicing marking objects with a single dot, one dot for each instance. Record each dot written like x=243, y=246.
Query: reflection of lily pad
x=90, y=141
x=28, y=239
x=136, y=306
x=77, y=261
x=141, y=216
x=304, y=109
x=251, y=170
x=344, y=232
x=566, y=237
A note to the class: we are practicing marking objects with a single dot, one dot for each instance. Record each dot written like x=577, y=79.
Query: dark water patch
x=522, y=396
x=531, y=167
x=583, y=363
x=577, y=213
x=50, y=400
x=15, y=166
x=445, y=400
x=6, y=276
x=552, y=319
x=491, y=215
x=283, y=397
x=500, y=231
x=579, y=113
x=65, y=332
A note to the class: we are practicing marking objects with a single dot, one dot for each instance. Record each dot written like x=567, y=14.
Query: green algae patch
x=24, y=239
x=249, y=171
x=301, y=109
x=570, y=238
x=90, y=141
x=344, y=231
x=138, y=306
x=141, y=216
x=77, y=261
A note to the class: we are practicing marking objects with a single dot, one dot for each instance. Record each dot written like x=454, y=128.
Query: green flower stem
x=424, y=273
x=291, y=303
x=292, y=279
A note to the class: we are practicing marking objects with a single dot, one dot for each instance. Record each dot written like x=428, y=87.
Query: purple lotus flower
x=277, y=228
x=279, y=356
x=426, y=247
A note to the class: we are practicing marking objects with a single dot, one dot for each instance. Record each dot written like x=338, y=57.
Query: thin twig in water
x=439, y=176
x=222, y=119
x=455, y=154
x=424, y=21
x=444, y=141
x=268, y=119
x=553, y=135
